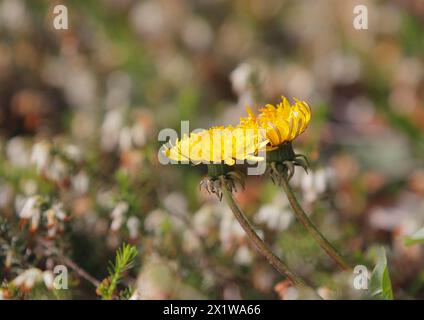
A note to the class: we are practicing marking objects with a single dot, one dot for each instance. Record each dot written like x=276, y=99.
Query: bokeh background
x=80, y=112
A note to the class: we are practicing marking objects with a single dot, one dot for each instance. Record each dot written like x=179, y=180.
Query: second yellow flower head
x=282, y=123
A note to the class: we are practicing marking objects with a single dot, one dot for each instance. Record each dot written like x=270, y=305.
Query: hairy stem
x=311, y=228
x=259, y=244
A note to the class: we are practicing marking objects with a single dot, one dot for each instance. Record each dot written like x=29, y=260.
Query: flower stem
x=311, y=228
x=260, y=245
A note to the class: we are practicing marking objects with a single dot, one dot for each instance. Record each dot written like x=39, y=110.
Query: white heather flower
x=136, y=295
x=58, y=170
x=325, y=292
x=51, y=232
x=73, y=152
x=80, y=87
x=154, y=220
x=149, y=19
x=2, y=295
x=274, y=216
x=125, y=139
x=48, y=279
x=51, y=219
x=14, y=15
x=263, y=280
x=313, y=184
x=175, y=68
x=118, y=89
x=133, y=225
x=291, y=294
x=190, y=242
x=17, y=152
x=30, y=277
x=240, y=77
x=203, y=220
x=117, y=215
x=55, y=213
x=59, y=212
x=229, y=229
x=344, y=69
x=19, y=203
x=30, y=208
x=138, y=134
x=241, y=83
x=405, y=216
x=80, y=182
x=9, y=259
x=54, y=167
x=197, y=34
x=105, y=198
x=243, y=256
x=35, y=220
x=321, y=178
x=27, y=279
x=175, y=202
x=40, y=155
x=111, y=129
x=157, y=218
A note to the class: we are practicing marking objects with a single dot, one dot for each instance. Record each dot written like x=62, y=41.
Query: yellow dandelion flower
x=282, y=123
x=218, y=145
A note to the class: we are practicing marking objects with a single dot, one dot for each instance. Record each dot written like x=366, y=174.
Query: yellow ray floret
x=218, y=145
x=282, y=123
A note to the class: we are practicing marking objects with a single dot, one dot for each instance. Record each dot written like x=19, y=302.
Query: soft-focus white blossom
x=405, y=217
x=28, y=279
x=118, y=215
x=229, y=229
x=204, y=219
x=31, y=277
x=40, y=155
x=17, y=152
x=14, y=15
x=277, y=214
x=110, y=129
x=133, y=225
x=176, y=202
x=80, y=182
x=243, y=256
x=314, y=183
x=48, y=278
x=30, y=208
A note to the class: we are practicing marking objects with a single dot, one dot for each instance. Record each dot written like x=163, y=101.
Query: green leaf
x=380, y=284
x=417, y=237
x=124, y=260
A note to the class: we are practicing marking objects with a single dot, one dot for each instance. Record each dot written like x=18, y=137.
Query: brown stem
x=311, y=228
x=259, y=244
x=80, y=271
x=71, y=264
